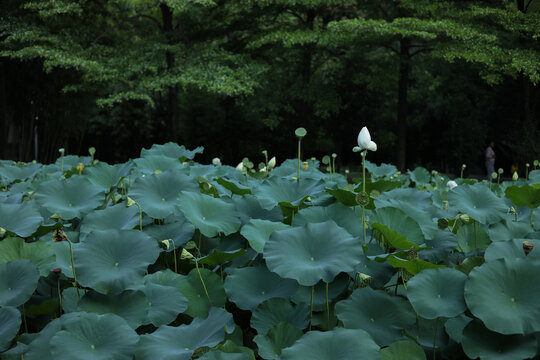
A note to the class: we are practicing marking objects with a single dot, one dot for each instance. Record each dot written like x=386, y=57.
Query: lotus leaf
x=400, y=230
x=283, y=192
x=106, y=176
x=437, y=293
x=420, y=176
x=528, y=195
x=110, y=261
x=115, y=217
x=178, y=231
x=383, y=170
x=210, y=215
x=20, y=219
x=258, y=231
x=511, y=287
x=40, y=253
x=479, y=342
x=312, y=252
x=277, y=310
x=92, y=336
x=234, y=186
x=278, y=337
x=382, y=316
x=151, y=164
x=10, y=318
x=338, y=344
x=18, y=280
x=342, y=215
x=217, y=257
x=403, y=350
x=220, y=355
x=178, y=343
x=156, y=193
x=335, y=289
x=506, y=230
x=454, y=327
x=131, y=305
x=413, y=266
x=250, y=286
x=172, y=150
x=249, y=208
x=165, y=303
x=472, y=237
x=470, y=263
x=426, y=331
x=512, y=249
x=16, y=172
x=193, y=289
x=478, y=202
x=70, y=198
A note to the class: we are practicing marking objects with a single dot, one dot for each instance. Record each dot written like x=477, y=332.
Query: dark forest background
x=434, y=81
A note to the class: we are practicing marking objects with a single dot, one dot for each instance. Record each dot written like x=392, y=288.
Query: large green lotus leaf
x=381, y=273
x=210, y=215
x=165, y=303
x=217, y=257
x=479, y=342
x=512, y=249
x=156, y=193
x=278, y=337
x=413, y=266
x=106, y=176
x=396, y=220
x=424, y=331
x=257, y=232
x=341, y=214
x=470, y=263
x=528, y=195
x=93, y=336
x=115, y=217
x=504, y=294
x=18, y=280
x=179, y=231
x=40, y=347
x=157, y=163
x=506, y=230
x=235, y=187
x=172, y=150
x=335, y=288
x=338, y=344
x=478, y=202
x=249, y=208
x=193, y=289
x=248, y=287
x=71, y=161
x=417, y=204
x=403, y=350
x=14, y=172
x=277, y=310
x=454, y=327
x=10, y=318
x=39, y=252
x=382, y=316
x=70, y=198
x=220, y=355
x=178, y=343
x=442, y=244
x=110, y=261
x=472, y=237
x=312, y=252
x=20, y=219
x=437, y=293
x=277, y=191
x=383, y=170
x=131, y=305
x=420, y=176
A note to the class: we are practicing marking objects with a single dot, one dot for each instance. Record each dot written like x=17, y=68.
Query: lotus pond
x=165, y=258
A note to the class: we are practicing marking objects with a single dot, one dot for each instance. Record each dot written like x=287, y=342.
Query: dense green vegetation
x=163, y=257
x=236, y=75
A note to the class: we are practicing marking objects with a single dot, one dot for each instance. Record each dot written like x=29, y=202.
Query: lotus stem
x=140, y=216
x=174, y=253
x=532, y=218
x=311, y=307
x=299, y=149
x=364, y=190
x=435, y=339
x=24, y=319
x=475, y=241
x=202, y=281
x=59, y=293
x=327, y=310
x=73, y=267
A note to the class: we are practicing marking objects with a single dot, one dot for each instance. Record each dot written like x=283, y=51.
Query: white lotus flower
x=451, y=184
x=515, y=177
x=240, y=167
x=364, y=141
x=272, y=163
x=216, y=161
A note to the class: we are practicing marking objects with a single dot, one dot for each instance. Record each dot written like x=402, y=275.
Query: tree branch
x=527, y=6
x=420, y=51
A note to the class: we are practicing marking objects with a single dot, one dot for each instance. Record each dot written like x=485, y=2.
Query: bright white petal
x=364, y=138
x=356, y=149
x=372, y=146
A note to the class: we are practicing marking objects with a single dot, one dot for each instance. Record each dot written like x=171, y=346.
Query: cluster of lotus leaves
x=176, y=259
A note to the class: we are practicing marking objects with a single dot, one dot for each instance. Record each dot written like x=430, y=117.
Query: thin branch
x=420, y=51
x=527, y=6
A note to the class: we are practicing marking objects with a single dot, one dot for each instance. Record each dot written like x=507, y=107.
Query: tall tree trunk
x=3, y=114
x=403, y=84
x=173, y=116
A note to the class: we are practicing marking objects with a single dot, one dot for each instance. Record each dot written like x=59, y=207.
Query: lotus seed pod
x=528, y=247
x=190, y=245
x=515, y=177
x=92, y=151
x=305, y=165
x=535, y=162
x=2, y=231
x=494, y=175
x=500, y=171
x=334, y=155
x=130, y=202
x=300, y=132
x=166, y=243
x=528, y=165
x=186, y=255
x=463, y=166
x=55, y=216
x=464, y=218
x=61, y=151
x=362, y=199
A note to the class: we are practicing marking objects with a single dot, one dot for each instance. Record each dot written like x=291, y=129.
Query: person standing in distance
x=490, y=159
